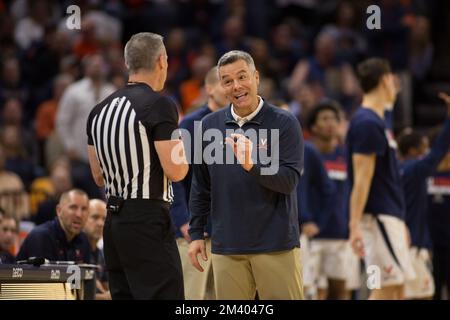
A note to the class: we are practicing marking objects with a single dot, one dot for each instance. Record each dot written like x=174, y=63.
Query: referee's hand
x=196, y=247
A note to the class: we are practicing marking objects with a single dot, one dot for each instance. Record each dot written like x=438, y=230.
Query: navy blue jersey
x=49, y=241
x=368, y=134
x=251, y=212
x=414, y=174
x=315, y=192
x=336, y=165
x=439, y=208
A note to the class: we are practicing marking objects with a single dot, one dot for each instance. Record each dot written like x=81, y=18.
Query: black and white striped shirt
x=123, y=129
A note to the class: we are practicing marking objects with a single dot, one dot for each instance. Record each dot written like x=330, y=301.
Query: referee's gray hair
x=142, y=51
x=236, y=55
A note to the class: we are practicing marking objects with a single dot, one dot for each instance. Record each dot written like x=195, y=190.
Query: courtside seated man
x=62, y=238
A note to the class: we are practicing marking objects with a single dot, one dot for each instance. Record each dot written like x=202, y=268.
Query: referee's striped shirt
x=123, y=128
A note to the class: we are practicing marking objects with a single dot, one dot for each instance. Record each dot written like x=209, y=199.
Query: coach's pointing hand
x=242, y=148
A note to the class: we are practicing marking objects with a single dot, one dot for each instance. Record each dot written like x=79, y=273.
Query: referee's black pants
x=141, y=254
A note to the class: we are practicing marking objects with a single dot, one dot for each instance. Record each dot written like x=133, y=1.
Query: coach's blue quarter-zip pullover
x=251, y=212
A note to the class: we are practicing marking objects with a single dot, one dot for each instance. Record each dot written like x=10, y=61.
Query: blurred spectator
x=9, y=229
x=17, y=158
x=116, y=63
x=191, y=89
x=421, y=48
x=286, y=50
x=259, y=50
x=61, y=239
x=88, y=42
x=31, y=28
x=305, y=98
x=267, y=88
x=336, y=78
x=8, y=46
x=11, y=84
x=70, y=65
x=46, y=112
x=60, y=181
x=118, y=80
x=13, y=197
x=41, y=63
x=12, y=114
x=74, y=107
x=94, y=232
x=351, y=46
x=233, y=36
x=179, y=60
x=391, y=41
x=108, y=29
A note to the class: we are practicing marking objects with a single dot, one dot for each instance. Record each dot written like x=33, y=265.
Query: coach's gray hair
x=236, y=55
x=142, y=51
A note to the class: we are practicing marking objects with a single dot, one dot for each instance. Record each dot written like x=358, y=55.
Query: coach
x=130, y=148
x=255, y=229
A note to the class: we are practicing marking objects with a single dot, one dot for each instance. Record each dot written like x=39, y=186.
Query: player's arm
x=96, y=170
x=364, y=168
x=426, y=166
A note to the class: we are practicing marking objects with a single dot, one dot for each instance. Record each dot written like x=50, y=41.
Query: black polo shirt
x=123, y=128
x=49, y=241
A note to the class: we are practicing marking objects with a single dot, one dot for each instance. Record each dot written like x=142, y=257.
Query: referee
x=130, y=153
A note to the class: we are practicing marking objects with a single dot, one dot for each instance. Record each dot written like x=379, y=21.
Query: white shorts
x=332, y=259
x=423, y=285
x=354, y=271
x=386, y=249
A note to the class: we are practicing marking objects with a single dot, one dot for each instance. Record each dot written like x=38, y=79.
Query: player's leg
x=393, y=292
x=422, y=287
x=386, y=249
x=335, y=266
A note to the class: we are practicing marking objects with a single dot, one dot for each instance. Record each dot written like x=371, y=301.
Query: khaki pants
x=197, y=285
x=275, y=275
